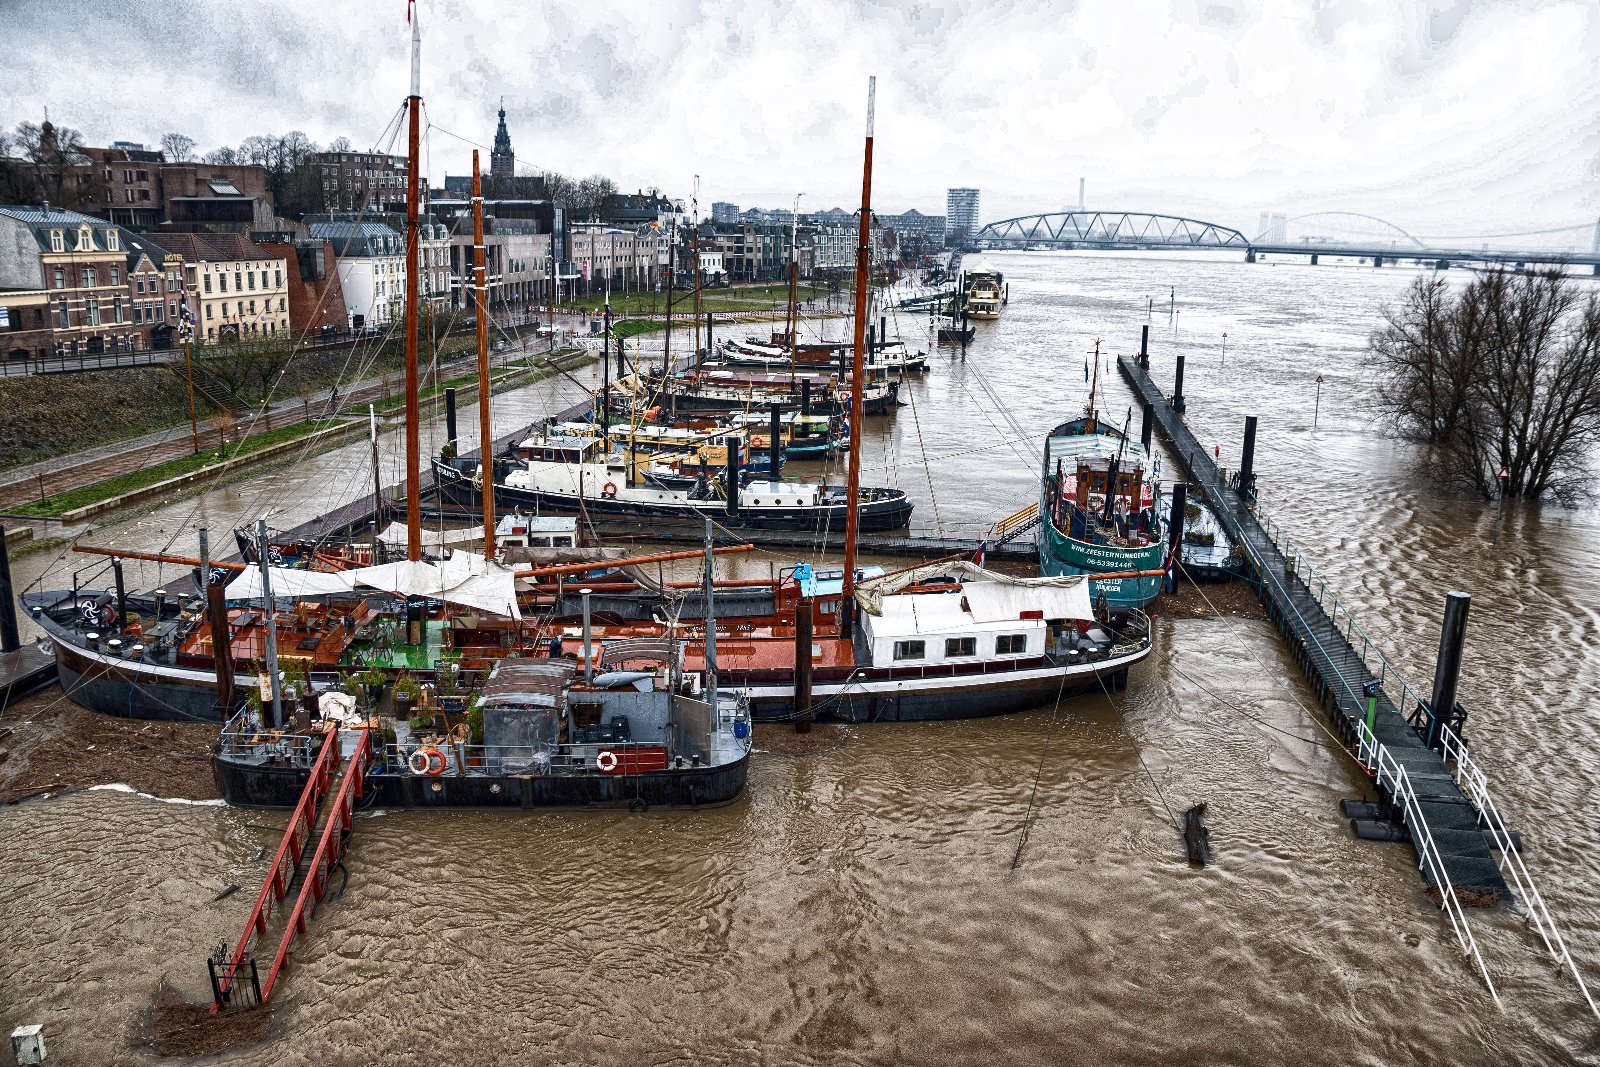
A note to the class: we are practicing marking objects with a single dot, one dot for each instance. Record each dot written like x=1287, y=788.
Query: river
x=1008, y=890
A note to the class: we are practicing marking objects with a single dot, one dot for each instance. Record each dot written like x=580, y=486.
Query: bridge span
x=1143, y=231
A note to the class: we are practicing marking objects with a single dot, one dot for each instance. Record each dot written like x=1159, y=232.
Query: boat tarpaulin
x=288, y=582
x=990, y=595
x=466, y=578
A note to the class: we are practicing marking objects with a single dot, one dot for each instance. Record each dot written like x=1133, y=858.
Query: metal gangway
x=236, y=980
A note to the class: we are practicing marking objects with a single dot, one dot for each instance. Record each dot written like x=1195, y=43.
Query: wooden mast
x=413, y=406
x=481, y=295
x=847, y=612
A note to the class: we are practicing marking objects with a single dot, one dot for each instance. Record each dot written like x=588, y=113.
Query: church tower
x=502, y=161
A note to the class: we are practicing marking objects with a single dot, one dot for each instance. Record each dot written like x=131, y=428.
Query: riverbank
x=49, y=746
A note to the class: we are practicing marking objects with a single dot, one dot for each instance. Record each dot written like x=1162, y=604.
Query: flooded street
x=1010, y=890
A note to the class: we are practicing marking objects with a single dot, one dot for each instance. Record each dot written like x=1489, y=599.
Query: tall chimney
x=1080, y=194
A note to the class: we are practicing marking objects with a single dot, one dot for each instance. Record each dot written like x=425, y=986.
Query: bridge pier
x=1377, y=261
x=1250, y=257
x=1313, y=259
x=1443, y=264
x=1597, y=270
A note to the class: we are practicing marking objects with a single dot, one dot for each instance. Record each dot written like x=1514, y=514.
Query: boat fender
x=606, y=760
x=613, y=679
x=1369, y=830
x=638, y=804
x=609, y=490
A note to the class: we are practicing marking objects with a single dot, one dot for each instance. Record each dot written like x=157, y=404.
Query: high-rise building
x=502, y=161
x=961, y=216
x=724, y=212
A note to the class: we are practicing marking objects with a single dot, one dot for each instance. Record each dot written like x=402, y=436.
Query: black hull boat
x=880, y=509
x=279, y=786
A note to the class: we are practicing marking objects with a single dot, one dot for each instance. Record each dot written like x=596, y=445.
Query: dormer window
x=113, y=241
x=85, y=239
x=58, y=241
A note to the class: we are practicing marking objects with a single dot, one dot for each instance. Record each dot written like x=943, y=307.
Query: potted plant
x=407, y=693
x=373, y=681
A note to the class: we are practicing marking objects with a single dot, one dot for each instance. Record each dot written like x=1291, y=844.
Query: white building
x=372, y=268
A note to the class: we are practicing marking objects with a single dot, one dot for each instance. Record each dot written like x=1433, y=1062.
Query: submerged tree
x=1504, y=377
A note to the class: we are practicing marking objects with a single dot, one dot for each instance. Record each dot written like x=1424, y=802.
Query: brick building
x=353, y=181
x=80, y=262
x=25, y=331
x=234, y=288
x=311, y=273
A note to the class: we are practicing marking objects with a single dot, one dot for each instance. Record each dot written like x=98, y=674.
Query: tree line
x=1500, y=380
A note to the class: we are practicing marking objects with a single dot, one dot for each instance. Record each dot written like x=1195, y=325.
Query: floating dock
x=1322, y=634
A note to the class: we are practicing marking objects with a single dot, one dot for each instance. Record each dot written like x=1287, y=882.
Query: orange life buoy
x=609, y=490
x=606, y=760
x=432, y=761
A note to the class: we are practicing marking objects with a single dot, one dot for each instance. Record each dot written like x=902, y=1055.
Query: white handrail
x=1475, y=784
x=1422, y=838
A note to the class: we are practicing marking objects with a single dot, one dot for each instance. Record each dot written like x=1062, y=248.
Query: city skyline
x=1230, y=111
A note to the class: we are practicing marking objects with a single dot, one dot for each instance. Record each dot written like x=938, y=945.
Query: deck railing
x=1386, y=770
x=243, y=741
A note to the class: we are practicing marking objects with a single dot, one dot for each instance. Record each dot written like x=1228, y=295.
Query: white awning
x=288, y=582
x=990, y=595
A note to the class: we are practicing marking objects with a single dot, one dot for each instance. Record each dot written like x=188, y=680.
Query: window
x=116, y=275
x=116, y=308
x=208, y=283
x=85, y=239
x=65, y=316
x=238, y=283
x=85, y=277
x=113, y=242
x=144, y=194
x=172, y=309
x=208, y=310
x=1010, y=644
x=283, y=304
x=252, y=307
x=91, y=311
x=144, y=175
x=222, y=282
x=960, y=646
x=161, y=312
x=277, y=278
x=127, y=195
x=58, y=241
x=61, y=278
x=138, y=284
x=127, y=177
x=251, y=275
x=910, y=649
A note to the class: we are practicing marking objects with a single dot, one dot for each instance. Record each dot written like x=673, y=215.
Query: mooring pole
x=805, y=398
x=216, y=597
x=1247, y=460
x=802, y=666
x=1147, y=425
x=1144, y=346
x=450, y=415
x=1177, y=389
x=710, y=324
x=1447, y=671
x=10, y=636
x=1180, y=500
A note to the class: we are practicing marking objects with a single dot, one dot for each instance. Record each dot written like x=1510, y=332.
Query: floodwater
x=1008, y=890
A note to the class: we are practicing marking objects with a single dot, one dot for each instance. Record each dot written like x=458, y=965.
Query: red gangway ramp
x=235, y=978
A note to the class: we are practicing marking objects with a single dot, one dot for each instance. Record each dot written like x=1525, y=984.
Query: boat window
x=1010, y=644
x=960, y=646
x=910, y=649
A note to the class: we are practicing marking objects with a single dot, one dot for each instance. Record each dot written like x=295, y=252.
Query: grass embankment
x=517, y=368
x=95, y=492
x=738, y=298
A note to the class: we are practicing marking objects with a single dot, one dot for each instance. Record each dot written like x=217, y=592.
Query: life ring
x=431, y=761
x=609, y=490
x=606, y=760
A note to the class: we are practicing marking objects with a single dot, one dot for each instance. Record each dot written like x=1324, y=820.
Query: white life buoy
x=606, y=760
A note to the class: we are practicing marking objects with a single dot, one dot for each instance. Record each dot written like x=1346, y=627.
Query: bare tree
x=341, y=144
x=1504, y=377
x=224, y=156
x=60, y=167
x=177, y=148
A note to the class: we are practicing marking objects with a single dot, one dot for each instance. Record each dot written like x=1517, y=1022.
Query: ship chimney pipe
x=1180, y=500
x=775, y=447
x=732, y=446
x=122, y=594
x=1177, y=389
x=10, y=636
x=1447, y=671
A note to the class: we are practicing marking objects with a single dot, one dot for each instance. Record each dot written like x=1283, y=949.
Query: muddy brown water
x=870, y=904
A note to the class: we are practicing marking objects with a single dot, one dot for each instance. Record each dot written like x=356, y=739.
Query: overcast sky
x=1457, y=117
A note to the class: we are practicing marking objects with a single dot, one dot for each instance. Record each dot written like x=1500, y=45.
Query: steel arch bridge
x=1110, y=229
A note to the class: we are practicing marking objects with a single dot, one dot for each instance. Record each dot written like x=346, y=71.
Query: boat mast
x=672, y=268
x=791, y=321
x=1094, y=384
x=711, y=625
x=863, y=268
x=413, y=405
x=481, y=295
x=694, y=249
